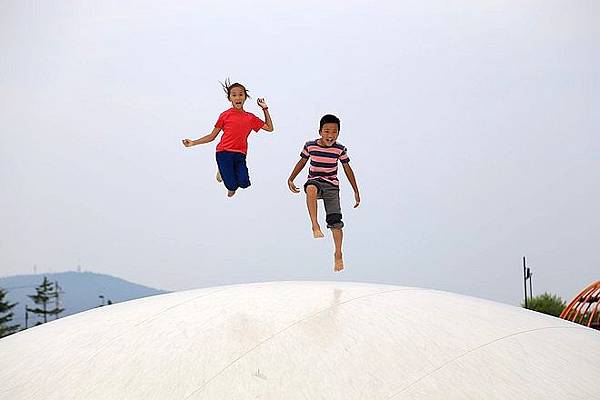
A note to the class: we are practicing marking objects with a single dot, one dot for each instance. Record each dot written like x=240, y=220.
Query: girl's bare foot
x=317, y=234
x=230, y=193
x=219, y=178
x=338, y=262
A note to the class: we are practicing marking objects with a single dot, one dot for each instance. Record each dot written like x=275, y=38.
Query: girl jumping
x=236, y=124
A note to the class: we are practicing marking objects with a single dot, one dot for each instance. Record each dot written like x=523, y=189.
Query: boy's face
x=237, y=96
x=329, y=133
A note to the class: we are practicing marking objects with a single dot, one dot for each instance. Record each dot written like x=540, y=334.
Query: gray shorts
x=330, y=194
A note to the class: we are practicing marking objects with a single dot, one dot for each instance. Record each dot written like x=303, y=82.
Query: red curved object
x=583, y=309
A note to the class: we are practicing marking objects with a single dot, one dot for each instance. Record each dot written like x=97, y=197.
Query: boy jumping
x=322, y=182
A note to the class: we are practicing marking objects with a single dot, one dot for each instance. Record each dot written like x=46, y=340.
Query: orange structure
x=585, y=307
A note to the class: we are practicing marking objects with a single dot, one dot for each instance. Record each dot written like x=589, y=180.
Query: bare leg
x=311, y=203
x=338, y=235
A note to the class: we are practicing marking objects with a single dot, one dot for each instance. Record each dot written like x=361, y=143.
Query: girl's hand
x=357, y=198
x=293, y=187
x=262, y=103
x=187, y=142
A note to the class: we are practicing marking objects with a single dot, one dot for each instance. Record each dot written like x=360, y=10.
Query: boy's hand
x=262, y=103
x=293, y=187
x=187, y=142
x=357, y=198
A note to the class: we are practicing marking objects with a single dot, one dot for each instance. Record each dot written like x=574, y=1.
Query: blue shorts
x=233, y=169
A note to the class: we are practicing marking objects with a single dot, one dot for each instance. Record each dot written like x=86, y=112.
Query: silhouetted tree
x=44, y=294
x=6, y=315
x=546, y=303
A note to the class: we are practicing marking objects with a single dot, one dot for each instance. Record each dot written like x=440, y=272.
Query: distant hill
x=81, y=291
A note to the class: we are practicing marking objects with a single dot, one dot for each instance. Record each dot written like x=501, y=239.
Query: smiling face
x=237, y=96
x=329, y=134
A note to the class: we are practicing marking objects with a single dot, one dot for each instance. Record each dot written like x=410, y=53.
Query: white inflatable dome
x=303, y=340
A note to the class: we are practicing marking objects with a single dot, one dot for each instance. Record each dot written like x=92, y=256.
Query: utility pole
x=527, y=275
x=525, y=280
x=530, y=274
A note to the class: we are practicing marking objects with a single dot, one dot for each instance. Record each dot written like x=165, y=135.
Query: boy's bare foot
x=230, y=193
x=219, y=178
x=338, y=262
x=317, y=234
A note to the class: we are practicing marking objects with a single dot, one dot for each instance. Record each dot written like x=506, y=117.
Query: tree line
x=47, y=305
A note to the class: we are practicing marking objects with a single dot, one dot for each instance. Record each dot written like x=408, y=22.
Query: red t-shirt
x=236, y=126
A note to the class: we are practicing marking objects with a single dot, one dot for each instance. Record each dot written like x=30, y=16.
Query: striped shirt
x=323, y=160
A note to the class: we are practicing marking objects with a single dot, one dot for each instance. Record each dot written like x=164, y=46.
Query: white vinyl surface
x=303, y=340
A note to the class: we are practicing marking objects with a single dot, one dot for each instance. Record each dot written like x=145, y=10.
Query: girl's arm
x=268, y=126
x=299, y=166
x=352, y=179
x=204, y=139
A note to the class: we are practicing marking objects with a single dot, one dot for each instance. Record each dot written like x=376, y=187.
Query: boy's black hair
x=227, y=86
x=329, y=118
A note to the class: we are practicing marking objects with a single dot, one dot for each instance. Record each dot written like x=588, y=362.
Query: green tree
x=6, y=315
x=45, y=294
x=546, y=303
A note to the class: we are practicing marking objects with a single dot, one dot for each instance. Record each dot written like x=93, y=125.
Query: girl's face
x=237, y=96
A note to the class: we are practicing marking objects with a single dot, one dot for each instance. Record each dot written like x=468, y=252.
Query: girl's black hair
x=227, y=86
x=329, y=118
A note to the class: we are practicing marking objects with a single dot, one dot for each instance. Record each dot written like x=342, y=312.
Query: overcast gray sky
x=472, y=126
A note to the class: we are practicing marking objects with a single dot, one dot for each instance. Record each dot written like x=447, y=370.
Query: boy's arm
x=352, y=179
x=268, y=126
x=297, y=168
x=204, y=139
